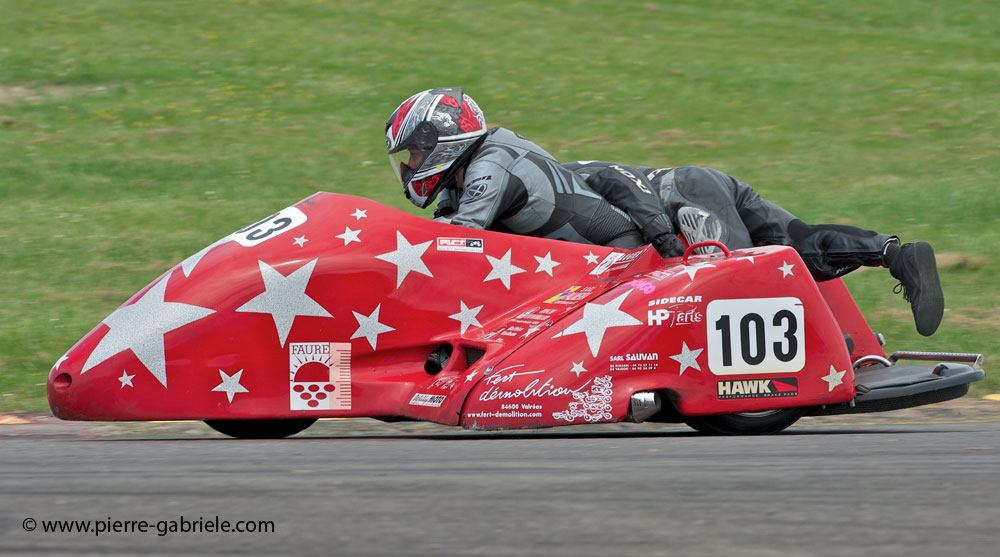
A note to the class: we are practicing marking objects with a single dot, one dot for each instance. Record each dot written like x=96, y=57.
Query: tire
x=260, y=429
x=746, y=423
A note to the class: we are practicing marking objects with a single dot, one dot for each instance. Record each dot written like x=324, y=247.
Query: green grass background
x=134, y=133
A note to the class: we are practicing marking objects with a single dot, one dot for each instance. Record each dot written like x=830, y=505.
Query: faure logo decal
x=319, y=375
x=468, y=245
x=758, y=388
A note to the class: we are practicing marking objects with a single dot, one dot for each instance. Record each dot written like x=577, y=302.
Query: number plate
x=756, y=335
x=274, y=225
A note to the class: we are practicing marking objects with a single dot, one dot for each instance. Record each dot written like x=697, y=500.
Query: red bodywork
x=331, y=307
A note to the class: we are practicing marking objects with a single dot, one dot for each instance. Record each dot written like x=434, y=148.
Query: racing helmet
x=429, y=137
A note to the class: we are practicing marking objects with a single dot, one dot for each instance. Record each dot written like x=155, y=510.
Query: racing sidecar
x=341, y=307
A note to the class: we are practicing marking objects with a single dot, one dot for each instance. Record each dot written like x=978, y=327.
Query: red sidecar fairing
x=331, y=307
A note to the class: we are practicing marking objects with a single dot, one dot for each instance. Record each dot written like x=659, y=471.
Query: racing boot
x=915, y=268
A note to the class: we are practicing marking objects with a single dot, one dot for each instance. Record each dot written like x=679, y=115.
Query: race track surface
x=915, y=482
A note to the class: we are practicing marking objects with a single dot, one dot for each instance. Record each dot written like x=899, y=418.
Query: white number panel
x=756, y=335
x=274, y=225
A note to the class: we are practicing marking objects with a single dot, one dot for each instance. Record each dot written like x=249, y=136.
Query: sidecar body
x=341, y=307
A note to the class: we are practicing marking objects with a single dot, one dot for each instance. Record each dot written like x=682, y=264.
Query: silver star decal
x=230, y=385
x=406, y=258
x=692, y=270
x=141, y=326
x=285, y=298
x=358, y=214
x=349, y=236
x=745, y=258
x=300, y=241
x=591, y=258
x=687, y=358
x=369, y=327
x=502, y=269
x=834, y=378
x=786, y=269
x=597, y=319
x=546, y=263
x=467, y=316
x=189, y=264
x=578, y=369
x=60, y=361
x=126, y=379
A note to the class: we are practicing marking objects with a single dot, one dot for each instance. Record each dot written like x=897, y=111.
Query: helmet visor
x=405, y=163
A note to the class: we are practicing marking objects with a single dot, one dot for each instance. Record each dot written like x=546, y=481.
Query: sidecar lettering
x=675, y=300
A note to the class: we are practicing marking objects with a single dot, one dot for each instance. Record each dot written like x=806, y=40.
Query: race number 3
x=755, y=335
x=265, y=229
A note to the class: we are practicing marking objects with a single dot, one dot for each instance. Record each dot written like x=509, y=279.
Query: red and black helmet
x=429, y=137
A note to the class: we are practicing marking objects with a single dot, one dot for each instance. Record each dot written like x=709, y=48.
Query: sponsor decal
x=663, y=274
x=319, y=375
x=643, y=286
x=523, y=325
x=500, y=386
x=477, y=188
x=638, y=183
x=592, y=406
x=446, y=383
x=468, y=245
x=675, y=300
x=511, y=411
x=534, y=316
x=509, y=331
x=615, y=261
x=423, y=399
x=640, y=361
x=571, y=295
x=758, y=388
x=679, y=314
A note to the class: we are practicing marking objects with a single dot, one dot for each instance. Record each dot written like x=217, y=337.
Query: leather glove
x=668, y=245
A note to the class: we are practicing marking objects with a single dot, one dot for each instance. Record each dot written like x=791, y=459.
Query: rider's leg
x=832, y=250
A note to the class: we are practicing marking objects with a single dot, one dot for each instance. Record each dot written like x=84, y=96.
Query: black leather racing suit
x=513, y=185
x=655, y=197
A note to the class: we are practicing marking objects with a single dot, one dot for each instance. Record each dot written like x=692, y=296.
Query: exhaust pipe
x=643, y=406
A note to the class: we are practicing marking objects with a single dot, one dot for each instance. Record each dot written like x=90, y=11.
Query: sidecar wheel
x=260, y=429
x=746, y=423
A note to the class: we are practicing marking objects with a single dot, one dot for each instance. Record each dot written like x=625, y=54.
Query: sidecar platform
x=883, y=384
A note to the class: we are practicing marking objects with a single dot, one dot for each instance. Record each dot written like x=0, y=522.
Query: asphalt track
x=899, y=484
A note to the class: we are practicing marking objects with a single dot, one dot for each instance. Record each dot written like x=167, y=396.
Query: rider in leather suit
x=495, y=179
x=707, y=204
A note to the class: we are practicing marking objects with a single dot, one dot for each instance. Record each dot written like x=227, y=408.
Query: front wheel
x=746, y=423
x=260, y=429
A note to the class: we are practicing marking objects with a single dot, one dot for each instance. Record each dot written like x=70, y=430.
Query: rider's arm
x=484, y=195
x=630, y=191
